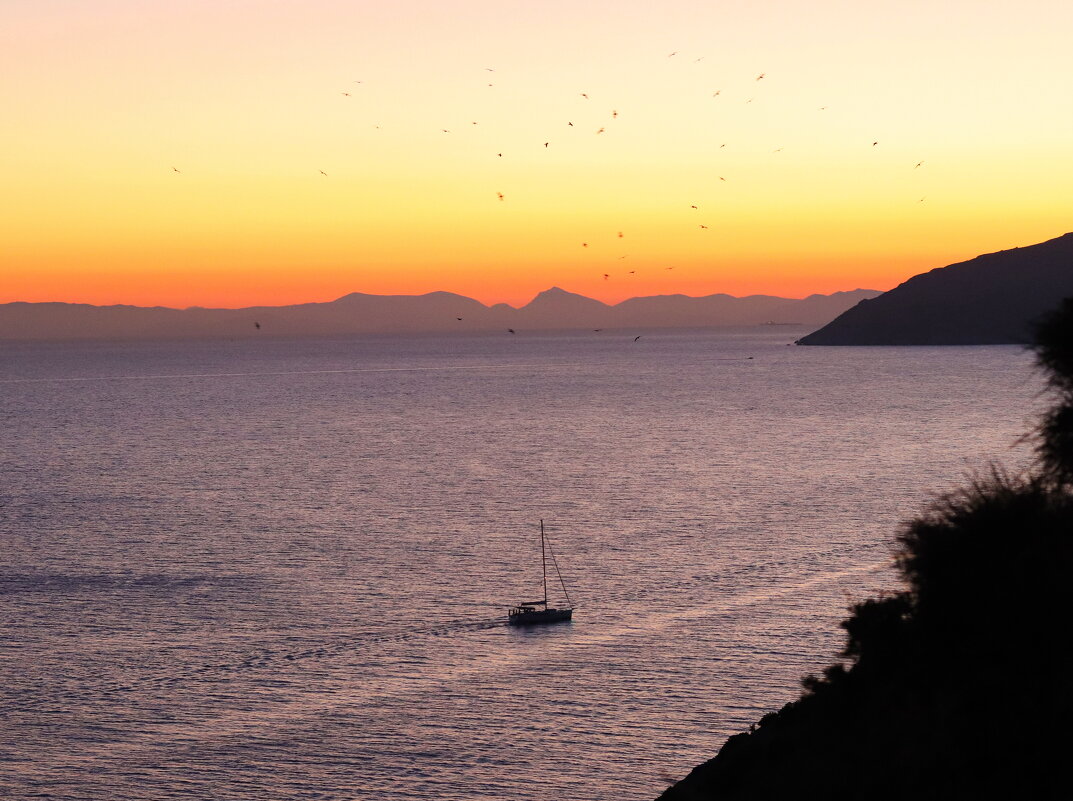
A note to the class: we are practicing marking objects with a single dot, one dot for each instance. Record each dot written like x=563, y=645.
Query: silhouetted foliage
x=961, y=686
x=1054, y=352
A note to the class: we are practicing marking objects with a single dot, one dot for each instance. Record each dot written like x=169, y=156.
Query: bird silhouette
x=675, y=53
x=323, y=173
x=257, y=326
x=500, y=155
x=545, y=144
x=917, y=164
x=717, y=93
x=874, y=144
x=721, y=178
x=584, y=95
x=600, y=131
x=570, y=124
x=499, y=195
x=694, y=207
x=458, y=318
x=489, y=69
x=176, y=170
x=722, y=145
x=704, y=226
x=584, y=244
x=347, y=94
x=761, y=75
x=510, y=330
x=614, y=114
x=597, y=329
x=606, y=276
x=637, y=337
x=620, y=234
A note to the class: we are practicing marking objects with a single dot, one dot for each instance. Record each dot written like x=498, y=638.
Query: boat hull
x=536, y=617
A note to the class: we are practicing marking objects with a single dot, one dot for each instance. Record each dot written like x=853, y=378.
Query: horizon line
x=435, y=292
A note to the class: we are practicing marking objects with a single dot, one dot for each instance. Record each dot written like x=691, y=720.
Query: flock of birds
x=614, y=114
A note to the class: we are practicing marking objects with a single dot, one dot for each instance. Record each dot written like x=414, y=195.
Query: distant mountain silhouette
x=992, y=299
x=433, y=312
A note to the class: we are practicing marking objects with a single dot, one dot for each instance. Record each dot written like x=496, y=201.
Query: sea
x=280, y=568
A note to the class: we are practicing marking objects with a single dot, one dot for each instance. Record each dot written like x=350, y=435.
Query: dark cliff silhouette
x=961, y=686
x=359, y=313
x=992, y=299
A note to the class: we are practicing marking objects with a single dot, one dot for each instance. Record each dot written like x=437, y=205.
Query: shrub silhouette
x=961, y=686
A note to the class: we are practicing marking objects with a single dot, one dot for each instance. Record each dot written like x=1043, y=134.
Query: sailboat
x=530, y=613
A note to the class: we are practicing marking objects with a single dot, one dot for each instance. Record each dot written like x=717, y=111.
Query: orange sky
x=251, y=100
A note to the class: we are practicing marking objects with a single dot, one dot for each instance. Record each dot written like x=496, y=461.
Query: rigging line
x=560, y=575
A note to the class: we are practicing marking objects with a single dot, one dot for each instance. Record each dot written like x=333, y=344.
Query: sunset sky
x=174, y=153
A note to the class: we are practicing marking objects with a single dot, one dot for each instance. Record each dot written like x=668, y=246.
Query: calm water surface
x=274, y=569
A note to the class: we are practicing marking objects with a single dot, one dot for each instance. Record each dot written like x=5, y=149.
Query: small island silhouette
x=960, y=686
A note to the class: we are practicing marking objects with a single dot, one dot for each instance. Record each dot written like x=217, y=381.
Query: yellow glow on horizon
x=253, y=102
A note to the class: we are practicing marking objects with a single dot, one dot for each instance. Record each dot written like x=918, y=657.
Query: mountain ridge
x=992, y=299
x=433, y=312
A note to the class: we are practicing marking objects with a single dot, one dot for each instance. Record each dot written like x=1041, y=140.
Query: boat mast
x=544, y=564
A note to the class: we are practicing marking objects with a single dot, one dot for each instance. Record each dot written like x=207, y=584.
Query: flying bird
x=722, y=145
x=570, y=124
x=632, y=272
x=176, y=169
x=717, y=93
x=584, y=95
x=874, y=144
x=345, y=93
x=445, y=130
x=323, y=173
x=614, y=114
x=584, y=244
x=500, y=155
x=620, y=234
x=917, y=164
x=761, y=75
x=600, y=131
x=675, y=53
x=257, y=326
x=606, y=276
x=637, y=337
x=458, y=318
x=499, y=195
x=545, y=144
x=510, y=330
x=721, y=178
x=489, y=69
x=704, y=226
x=694, y=207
